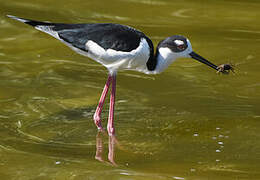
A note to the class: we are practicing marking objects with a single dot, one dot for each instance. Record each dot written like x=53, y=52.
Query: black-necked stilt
x=118, y=47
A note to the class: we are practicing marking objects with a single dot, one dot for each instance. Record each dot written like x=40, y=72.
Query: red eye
x=181, y=47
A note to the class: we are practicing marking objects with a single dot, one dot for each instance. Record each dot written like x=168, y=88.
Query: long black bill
x=203, y=60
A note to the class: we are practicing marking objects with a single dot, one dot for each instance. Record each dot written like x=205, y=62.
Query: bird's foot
x=110, y=130
x=97, y=120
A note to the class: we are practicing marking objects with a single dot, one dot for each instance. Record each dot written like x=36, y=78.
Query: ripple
x=9, y=39
x=139, y=76
x=5, y=62
x=196, y=134
x=181, y=13
x=110, y=16
x=148, y=2
x=178, y=178
x=4, y=117
x=64, y=61
x=245, y=31
x=32, y=137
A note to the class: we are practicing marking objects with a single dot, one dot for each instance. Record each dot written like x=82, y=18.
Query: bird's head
x=178, y=46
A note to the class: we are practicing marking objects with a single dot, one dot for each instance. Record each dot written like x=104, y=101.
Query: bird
x=118, y=47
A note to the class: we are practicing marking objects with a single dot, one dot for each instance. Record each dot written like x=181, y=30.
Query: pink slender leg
x=110, y=124
x=97, y=115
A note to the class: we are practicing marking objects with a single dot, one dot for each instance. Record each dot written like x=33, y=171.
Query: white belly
x=118, y=60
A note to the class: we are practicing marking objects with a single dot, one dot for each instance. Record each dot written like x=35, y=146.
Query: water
x=186, y=123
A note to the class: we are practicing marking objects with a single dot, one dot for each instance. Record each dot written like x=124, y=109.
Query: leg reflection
x=111, y=149
x=100, y=148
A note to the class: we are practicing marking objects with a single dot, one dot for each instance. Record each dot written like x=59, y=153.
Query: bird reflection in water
x=112, y=141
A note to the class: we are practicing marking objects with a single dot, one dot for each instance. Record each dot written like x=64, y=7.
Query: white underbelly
x=118, y=60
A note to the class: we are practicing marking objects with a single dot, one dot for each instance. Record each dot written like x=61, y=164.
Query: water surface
x=186, y=123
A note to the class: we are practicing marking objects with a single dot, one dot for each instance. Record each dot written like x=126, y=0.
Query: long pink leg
x=110, y=124
x=97, y=115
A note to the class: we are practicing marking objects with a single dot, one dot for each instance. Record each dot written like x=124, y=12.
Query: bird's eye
x=181, y=47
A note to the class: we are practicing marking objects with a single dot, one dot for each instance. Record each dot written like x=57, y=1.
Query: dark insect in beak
x=225, y=68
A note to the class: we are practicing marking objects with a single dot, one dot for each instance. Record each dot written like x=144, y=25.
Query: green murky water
x=186, y=123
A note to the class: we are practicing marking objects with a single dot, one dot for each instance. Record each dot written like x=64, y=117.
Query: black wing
x=108, y=36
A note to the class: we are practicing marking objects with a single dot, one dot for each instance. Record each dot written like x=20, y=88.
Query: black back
x=108, y=36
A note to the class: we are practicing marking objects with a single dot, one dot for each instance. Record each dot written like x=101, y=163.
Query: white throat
x=164, y=59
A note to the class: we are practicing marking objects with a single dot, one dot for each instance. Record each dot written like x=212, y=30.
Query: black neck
x=152, y=61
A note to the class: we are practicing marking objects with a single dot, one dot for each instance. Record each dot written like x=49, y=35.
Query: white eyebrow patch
x=178, y=42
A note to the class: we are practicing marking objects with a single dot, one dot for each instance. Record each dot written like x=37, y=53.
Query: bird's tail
x=29, y=22
x=41, y=26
